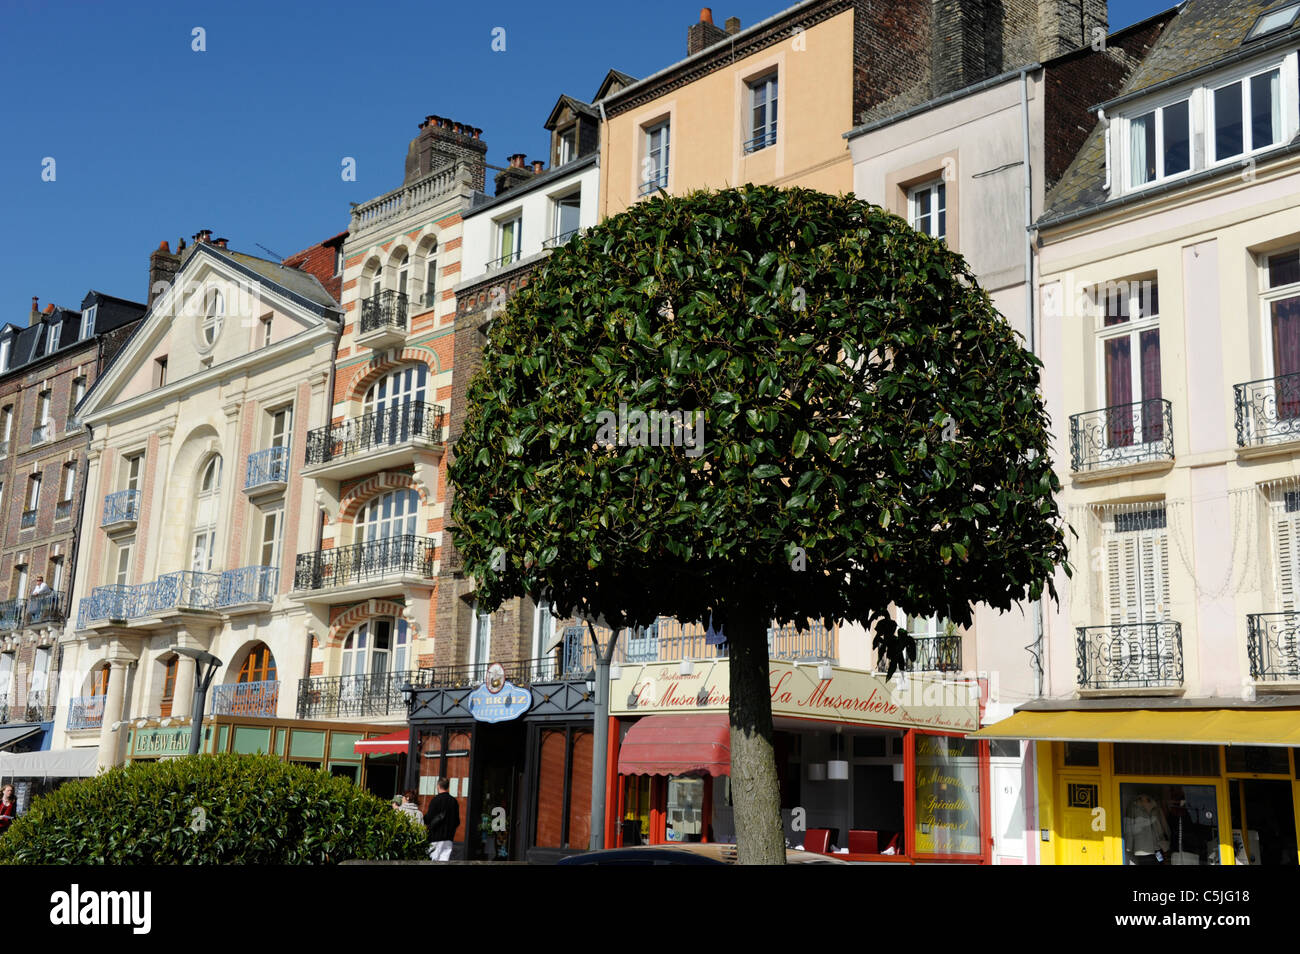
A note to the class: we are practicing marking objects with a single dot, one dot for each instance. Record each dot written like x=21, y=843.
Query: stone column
x=183, y=692
x=110, y=742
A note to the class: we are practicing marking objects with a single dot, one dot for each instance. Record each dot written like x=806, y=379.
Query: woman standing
x=8, y=808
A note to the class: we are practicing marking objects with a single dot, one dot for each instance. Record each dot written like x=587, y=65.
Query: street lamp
x=205, y=667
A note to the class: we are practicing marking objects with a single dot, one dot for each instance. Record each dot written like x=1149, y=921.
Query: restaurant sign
x=161, y=741
x=923, y=700
x=498, y=700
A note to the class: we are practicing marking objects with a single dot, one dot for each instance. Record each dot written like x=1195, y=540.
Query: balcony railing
x=363, y=562
x=654, y=184
x=248, y=584
x=120, y=507
x=63, y=510
x=1123, y=434
x=933, y=654
x=33, y=611
x=764, y=139
x=504, y=260
x=43, y=432
x=246, y=699
x=384, y=309
x=269, y=466
x=385, y=428
x=11, y=614
x=424, y=192
x=1268, y=410
x=369, y=694
x=181, y=590
x=28, y=519
x=555, y=241
x=86, y=712
x=668, y=640
x=1273, y=646
x=1130, y=656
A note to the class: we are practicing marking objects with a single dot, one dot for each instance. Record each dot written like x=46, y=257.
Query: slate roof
x=1205, y=35
x=300, y=285
x=30, y=344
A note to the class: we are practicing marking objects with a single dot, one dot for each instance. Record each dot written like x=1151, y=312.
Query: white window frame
x=213, y=320
x=207, y=512
x=1157, y=110
x=768, y=86
x=560, y=202
x=33, y=492
x=78, y=393
x=480, y=620
x=513, y=221
x=1132, y=329
x=568, y=143
x=5, y=344
x=273, y=517
x=661, y=154
x=1286, y=548
x=431, y=278
x=122, y=572
x=937, y=202
x=56, y=572
x=543, y=640
x=69, y=482
x=88, y=321
x=1248, y=148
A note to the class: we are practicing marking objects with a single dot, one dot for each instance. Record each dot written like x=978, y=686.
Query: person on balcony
x=41, y=597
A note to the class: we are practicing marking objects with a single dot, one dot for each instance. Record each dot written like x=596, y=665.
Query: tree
x=869, y=433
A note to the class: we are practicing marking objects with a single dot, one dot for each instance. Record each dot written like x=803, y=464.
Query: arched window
x=99, y=681
x=376, y=279
x=376, y=647
x=393, y=514
x=206, y=510
x=259, y=665
x=394, y=408
x=214, y=311
x=169, y=686
x=402, y=263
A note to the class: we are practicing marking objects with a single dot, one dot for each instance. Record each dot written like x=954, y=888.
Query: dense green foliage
x=872, y=433
x=215, y=810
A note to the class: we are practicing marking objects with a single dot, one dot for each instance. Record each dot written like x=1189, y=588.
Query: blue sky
x=152, y=140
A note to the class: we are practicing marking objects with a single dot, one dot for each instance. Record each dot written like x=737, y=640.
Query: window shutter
x=1288, y=536
x=1114, y=578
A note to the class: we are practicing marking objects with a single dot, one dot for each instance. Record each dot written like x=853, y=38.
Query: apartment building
x=1168, y=292
x=46, y=368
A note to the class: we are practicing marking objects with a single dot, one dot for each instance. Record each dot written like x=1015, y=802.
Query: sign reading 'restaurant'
x=850, y=695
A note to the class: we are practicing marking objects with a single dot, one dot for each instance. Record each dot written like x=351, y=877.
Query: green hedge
x=223, y=809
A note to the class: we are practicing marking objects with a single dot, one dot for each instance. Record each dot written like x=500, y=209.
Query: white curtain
x=1137, y=137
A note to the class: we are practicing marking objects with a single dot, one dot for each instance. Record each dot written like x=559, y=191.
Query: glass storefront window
x=685, y=809
x=1169, y=824
x=1260, y=759
x=947, y=796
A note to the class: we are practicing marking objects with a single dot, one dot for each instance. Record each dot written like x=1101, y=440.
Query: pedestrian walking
x=408, y=807
x=443, y=820
x=8, y=808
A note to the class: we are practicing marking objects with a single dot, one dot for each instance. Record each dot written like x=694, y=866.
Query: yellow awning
x=1201, y=726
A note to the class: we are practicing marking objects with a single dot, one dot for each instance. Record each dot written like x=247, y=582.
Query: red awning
x=677, y=745
x=393, y=742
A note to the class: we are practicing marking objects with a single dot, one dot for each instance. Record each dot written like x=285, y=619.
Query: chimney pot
x=732, y=26
x=164, y=247
x=49, y=309
x=222, y=242
x=706, y=14
x=537, y=167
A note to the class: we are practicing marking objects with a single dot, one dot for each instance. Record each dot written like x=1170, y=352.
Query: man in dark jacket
x=443, y=818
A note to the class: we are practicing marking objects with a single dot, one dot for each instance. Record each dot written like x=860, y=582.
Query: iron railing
x=360, y=562
x=655, y=183
x=28, y=519
x=430, y=298
x=764, y=139
x=1268, y=410
x=39, y=708
x=1123, y=434
x=63, y=510
x=86, y=712
x=384, y=309
x=120, y=506
x=107, y=602
x=11, y=614
x=504, y=260
x=248, y=584
x=183, y=589
x=246, y=699
x=562, y=238
x=668, y=640
x=269, y=466
x=33, y=611
x=368, y=694
x=1273, y=646
x=1130, y=656
x=932, y=654
x=383, y=428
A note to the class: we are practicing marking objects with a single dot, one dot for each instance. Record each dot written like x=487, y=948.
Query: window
x=99, y=681
x=69, y=481
x=131, y=467
x=431, y=278
x=1129, y=352
x=20, y=581
x=272, y=523
x=543, y=630
x=1286, y=533
x=654, y=168
x=480, y=637
x=56, y=573
x=169, y=686
x=6, y=427
x=88, y=321
x=123, y=564
x=281, y=426
x=52, y=337
x=266, y=331
x=33, y=491
x=338, y=260
x=393, y=514
x=40, y=676
x=2, y=497
x=6, y=677
x=44, y=429
x=259, y=665
x=404, y=386
x=927, y=209
x=78, y=394
x=4, y=354
x=1274, y=20
x=207, y=505
x=1160, y=143
x=214, y=312
x=1137, y=566
x=1280, y=307
x=376, y=647
x=403, y=270
x=762, y=102
x=568, y=146
x=510, y=237
x=377, y=281
x=1247, y=115
x=568, y=212
x=38, y=348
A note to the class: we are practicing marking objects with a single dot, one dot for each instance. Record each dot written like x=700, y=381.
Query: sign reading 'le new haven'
x=498, y=700
x=850, y=695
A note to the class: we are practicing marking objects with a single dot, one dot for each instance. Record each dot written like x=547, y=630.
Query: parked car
x=686, y=854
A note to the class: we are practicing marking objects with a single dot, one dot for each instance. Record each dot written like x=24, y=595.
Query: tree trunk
x=755, y=794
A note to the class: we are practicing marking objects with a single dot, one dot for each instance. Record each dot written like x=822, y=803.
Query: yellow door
x=1083, y=821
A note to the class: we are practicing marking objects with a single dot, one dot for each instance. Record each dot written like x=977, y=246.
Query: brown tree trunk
x=755, y=793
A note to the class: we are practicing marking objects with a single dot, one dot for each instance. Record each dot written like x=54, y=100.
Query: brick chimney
x=220, y=242
x=35, y=316
x=1065, y=25
x=703, y=34
x=442, y=141
x=732, y=26
x=517, y=172
x=163, y=266
x=538, y=164
x=202, y=236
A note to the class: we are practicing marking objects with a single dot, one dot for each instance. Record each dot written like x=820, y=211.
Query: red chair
x=863, y=841
x=818, y=840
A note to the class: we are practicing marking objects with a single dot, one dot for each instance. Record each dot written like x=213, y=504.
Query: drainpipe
x=1038, y=647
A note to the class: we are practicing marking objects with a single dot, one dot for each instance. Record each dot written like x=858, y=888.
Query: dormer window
x=1247, y=115
x=88, y=322
x=4, y=354
x=1160, y=143
x=568, y=145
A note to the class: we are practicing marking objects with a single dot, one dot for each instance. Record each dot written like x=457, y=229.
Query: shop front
x=517, y=757
x=1164, y=786
x=867, y=768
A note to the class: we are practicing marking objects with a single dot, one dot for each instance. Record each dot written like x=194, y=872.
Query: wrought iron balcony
x=386, y=429
x=248, y=584
x=521, y=672
x=1268, y=410
x=11, y=615
x=86, y=712
x=121, y=508
x=39, y=706
x=43, y=432
x=764, y=139
x=555, y=241
x=49, y=607
x=668, y=639
x=373, y=560
x=1130, y=656
x=383, y=319
x=369, y=694
x=267, y=469
x=183, y=589
x=1120, y=435
x=507, y=259
x=655, y=183
x=1273, y=646
x=28, y=519
x=111, y=602
x=246, y=699
x=932, y=654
